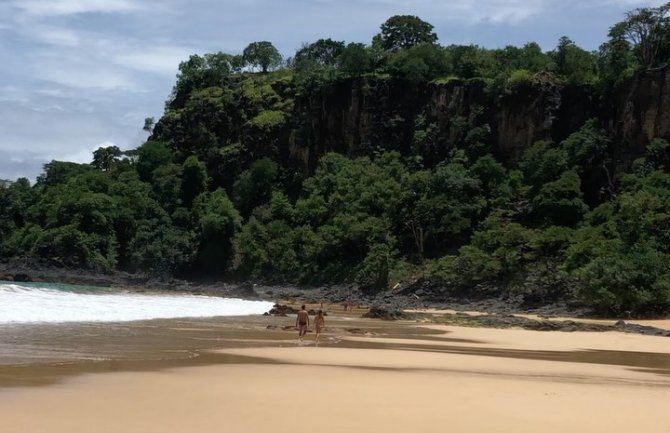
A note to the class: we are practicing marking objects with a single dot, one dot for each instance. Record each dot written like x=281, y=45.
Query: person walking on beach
x=319, y=324
x=302, y=322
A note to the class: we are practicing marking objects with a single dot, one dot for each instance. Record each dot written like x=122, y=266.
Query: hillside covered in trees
x=487, y=172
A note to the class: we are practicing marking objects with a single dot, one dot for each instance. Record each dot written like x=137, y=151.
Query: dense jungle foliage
x=232, y=182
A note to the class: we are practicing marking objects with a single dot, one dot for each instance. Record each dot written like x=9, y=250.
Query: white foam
x=24, y=304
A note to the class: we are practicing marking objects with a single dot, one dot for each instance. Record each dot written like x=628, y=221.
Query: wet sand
x=238, y=376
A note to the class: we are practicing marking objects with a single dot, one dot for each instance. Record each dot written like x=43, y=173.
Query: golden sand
x=463, y=380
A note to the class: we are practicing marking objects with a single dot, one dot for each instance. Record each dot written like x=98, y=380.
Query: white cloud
x=492, y=11
x=13, y=94
x=55, y=36
x=88, y=65
x=70, y=7
x=52, y=92
x=467, y=11
x=160, y=60
x=88, y=78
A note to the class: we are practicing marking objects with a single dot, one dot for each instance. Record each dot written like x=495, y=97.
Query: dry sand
x=462, y=380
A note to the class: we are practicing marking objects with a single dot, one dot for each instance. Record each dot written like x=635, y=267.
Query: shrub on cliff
x=519, y=78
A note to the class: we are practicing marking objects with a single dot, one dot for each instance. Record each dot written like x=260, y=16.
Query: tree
x=254, y=186
x=575, y=64
x=529, y=57
x=622, y=250
x=149, y=123
x=324, y=52
x=616, y=60
x=648, y=30
x=355, y=59
x=507, y=243
x=262, y=54
x=268, y=245
x=405, y=31
x=419, y=63
x=166, y=183
x=344, y=213
x=438, y=208
x=58, y=172
x=658, y=153
x=76, y=222
x=560, y=202
x=490, y=173
x=218, y=221
x=152, y=155
x=199, y=72
x=542, y=163
x=147, y=239
x=105, y=157
x=15, y=199
x=373, y=272
x=194, y=180
x=587, y=150
x=470, y=61
x=587, y=147
x=565, y=44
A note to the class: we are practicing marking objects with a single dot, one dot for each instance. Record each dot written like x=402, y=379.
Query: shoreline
x=65, y=349
x=396, y=299
x=492, y=313
x=44, y=353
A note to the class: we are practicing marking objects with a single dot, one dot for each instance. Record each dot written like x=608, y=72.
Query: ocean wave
x=52, y=304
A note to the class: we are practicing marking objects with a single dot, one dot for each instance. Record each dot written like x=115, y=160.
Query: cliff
x=640, y=111
x=357, y=116
x=256, y=115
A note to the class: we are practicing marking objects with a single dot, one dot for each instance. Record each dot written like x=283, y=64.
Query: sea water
x=59, y=303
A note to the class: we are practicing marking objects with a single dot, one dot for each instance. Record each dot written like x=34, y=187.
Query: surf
x=54, y=303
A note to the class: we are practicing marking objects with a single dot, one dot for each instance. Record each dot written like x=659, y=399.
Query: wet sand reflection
x=44, y=354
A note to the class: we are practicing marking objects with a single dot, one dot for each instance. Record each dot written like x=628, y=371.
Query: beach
x=249, y=375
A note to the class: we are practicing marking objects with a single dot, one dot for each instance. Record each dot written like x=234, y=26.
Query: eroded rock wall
x=360, y=116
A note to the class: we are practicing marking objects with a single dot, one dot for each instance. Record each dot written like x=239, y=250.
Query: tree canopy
x=262, y=55
x=405, y=31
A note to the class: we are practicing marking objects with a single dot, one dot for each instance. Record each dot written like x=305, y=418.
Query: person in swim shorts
x=302, y=322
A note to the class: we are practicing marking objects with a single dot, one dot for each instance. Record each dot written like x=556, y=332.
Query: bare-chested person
x=302, y=322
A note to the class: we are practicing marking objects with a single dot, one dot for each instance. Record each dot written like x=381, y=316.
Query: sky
x=76, y=75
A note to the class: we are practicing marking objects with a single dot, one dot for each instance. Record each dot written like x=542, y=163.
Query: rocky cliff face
x=358, y=116
x=640, y=111
x=523, y=117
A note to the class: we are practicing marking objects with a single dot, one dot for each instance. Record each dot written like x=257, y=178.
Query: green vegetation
x=250, y=175
x=262, y=54
x=405, y=31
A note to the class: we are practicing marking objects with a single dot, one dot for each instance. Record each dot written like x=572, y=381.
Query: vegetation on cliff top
x=235, y=180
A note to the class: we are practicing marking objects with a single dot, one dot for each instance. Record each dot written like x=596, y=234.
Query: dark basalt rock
x=641, y=329
x=281, y=310
x=22, y=278
x=384, y=314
